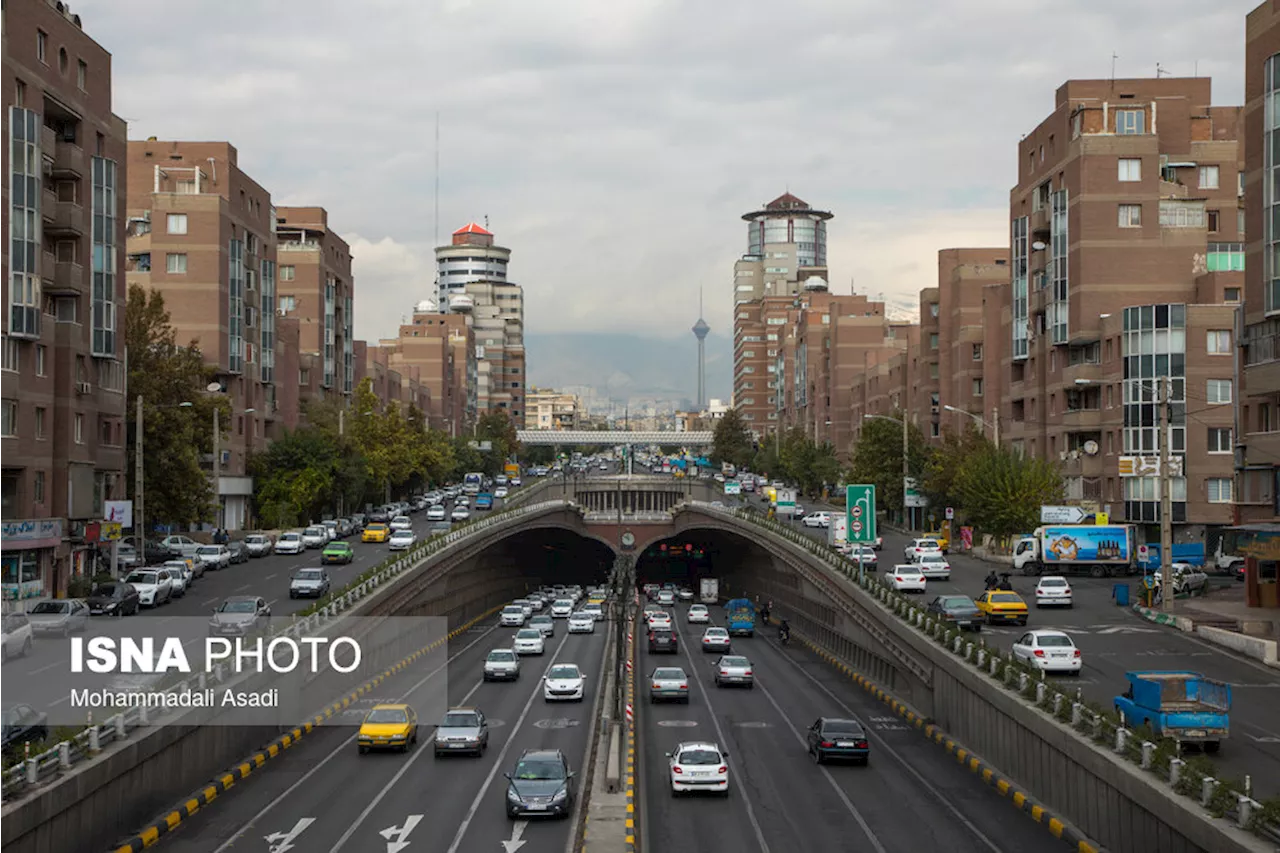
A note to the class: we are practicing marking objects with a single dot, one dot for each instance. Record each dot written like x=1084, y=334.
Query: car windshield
x=927, y=545
x=13, y=716
x=309, y=575
x=565, y=671
x=735, y=661
x=238, y=607
x=1005, y=598
x=502, y=656
x=841, y=727
x=459, y=720
x=209, y=550
x=387, y=715
x=564, y=602
x=1053, y=582
x=716, y=632
x=401, y=518
x=541, y=619
x=932, y=558
x=254, y=540
x=957, y=604
x=107, y=590
x=537, y=769
x=337, y=546
x=513, y=608
x=699, y=757
x=1056, y=641
x=51, y=607
x=289, y=537
x=402, y=534
x=698, y=608
x=315, y=531
x=906, y=570
x=529, y=634
x=141, y=577
x=668, y=674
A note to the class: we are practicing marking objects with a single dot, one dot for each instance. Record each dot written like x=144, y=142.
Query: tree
x=732, y=441
x=177, y=414
x=538, y=454
x=497, y=428
x=947, y=461
x=877, y=459
x=1002, y=491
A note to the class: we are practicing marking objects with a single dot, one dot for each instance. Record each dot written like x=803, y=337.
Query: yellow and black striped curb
x=631, y=743
x=206, y=795
x=1057, y=827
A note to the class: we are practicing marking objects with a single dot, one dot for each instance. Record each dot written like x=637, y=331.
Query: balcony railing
x=298, y=246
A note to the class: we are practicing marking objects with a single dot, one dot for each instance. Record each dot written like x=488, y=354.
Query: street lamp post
x=994, y=424
x=906, y=446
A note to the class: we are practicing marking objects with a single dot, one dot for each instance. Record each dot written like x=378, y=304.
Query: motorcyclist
x=784, y=630
x=764, y=611
x=1005, y=583
x=992, y=580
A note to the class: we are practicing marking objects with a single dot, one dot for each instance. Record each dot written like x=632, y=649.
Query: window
x=933, y=309
x=9, y=418
x=10, y=360
x=304, y=376
x=40, y=355
x=1219, y=439
x=38, y=490
x=40, y=421
x=933, y=370
x=977, y=352
x=933, y=340
x=1208, y=177
x=1130, y=122
x=1218, y=392
x=1130, y=169
x=1130, y=216
x=1231, y=294
x=1211, y=220
x=79, y=428
x=176, y=223
x=42, y=45
x=1219, y=342
x=977, y=387
x=82, y=75
x=287, y=303
x=19, y=93
x=286, y=272
x=175, y=263
x=1218, y=490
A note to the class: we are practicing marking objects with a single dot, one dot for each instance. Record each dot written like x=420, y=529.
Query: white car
x=564, y=683
x=684, y=594
x=933, y=566
x=716, y=640
x=699, y=767
x=290, y=543
x=528, y=641
x=516, y=482
x=257, y=544
x=526, y=605
x=595, y=611
x=536, y=602
x=1053, y=590
x=502, y=665
x=817, y=519
x=512, y=616
x=1049, y=651
x=500, y=492
x=698, y=614
x=562, y=608
x=402, y=540
x=659, y=619
x=401, y=522
x=154, y=586
x=181, y=574
x=17, y=635
x=460, y=513
x=582, y=623
x=906, y=578
x=316, y=536
x=435, y=512
x=212, y=557
x=918, y=547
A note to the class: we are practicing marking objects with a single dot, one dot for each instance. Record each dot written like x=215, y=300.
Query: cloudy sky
x=614, y=144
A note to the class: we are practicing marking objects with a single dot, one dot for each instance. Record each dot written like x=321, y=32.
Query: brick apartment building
x=546, y=408
x=441, y=347
x=62, y=430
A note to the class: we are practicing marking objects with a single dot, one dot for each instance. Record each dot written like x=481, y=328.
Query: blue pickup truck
x=484, y=500
x=740, y=616
x=1184, y=706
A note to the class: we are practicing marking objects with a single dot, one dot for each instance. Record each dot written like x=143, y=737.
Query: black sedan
x=114, y=598
x=23, y=724
x=959, y=610
x=830, y=738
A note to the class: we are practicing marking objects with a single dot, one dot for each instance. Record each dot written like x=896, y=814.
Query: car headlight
x=560, y=795
x=365, y=738
x=110, y=607
x=513, y=796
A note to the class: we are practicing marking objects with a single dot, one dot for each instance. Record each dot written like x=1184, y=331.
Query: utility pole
x=139, y=488
x=1164, y=422
x=342, y=427
x=995, y=425
x=906, y=446
x=217, y=467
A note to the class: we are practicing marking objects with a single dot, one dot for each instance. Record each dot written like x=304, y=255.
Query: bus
x=472, y=483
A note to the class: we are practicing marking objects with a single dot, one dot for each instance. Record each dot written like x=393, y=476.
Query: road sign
x=786, y=501
x=951, y=513
x=1143, y=552
x=732, y=487
x=1061, y=515
x=860, y=509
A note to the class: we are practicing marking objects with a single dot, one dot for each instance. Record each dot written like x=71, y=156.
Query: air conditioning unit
x=83, y=388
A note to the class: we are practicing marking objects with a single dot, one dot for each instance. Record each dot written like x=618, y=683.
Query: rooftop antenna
x=1160, y=72
x=1114, y=57
x=437, y=222
x=486, y=222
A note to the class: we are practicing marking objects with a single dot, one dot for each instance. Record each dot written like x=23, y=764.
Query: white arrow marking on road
x=1125, y=629
x=282, y=841
x=515, y=843
x=400, y=833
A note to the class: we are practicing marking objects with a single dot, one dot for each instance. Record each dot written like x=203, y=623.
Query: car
x=684, y=594
x=666, y=598
x=528, y=641
x=512, y=616
x=337, y=552
x=290, y=543
x=179, y=546
x=113, y=598
x=830, y=738
x=391, y=726
x=536, y=601
x=905, y=578
x=663, y=640
x=959, y=610
x=698, y=614
x=154, y=586
x=865, y=556
x=181, y=575
x=817, y=519
x=258, y=544
x=734, y=669
x=1049, y=651
x=543, y=623
x=1187, y=579
x=594, y=609
x=500, y=492
x=515, y=482
x=58, y=617
x=502, y=665
x=401, y=522
x=562, y=608
x=239, y=552
x=315, y=536
x=716, y=640
x=460, y=513
x=1001, y=605
x=16, y=635
x=22, y=724
x=213, y=557
x=669, y=683
x=934, y=566
x=526, y=605
x=435, y=512
x=240, y=616
x=699, y=766
x=582, y=623
x=1053, y=590
x=376, y=532
x=402, y=540
x=564, y=682
x=918, y=547
x=331, y=525
x=461, y=731
x=541, y=784
x=660, y=619
x=309, y=583
x=127, y=556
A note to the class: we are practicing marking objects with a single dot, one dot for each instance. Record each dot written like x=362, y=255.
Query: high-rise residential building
x=315, y=285
x=62, y=376
x=441, y=347
x=786, y=246
x=471, y=256
x=203, y=233
x=550, y=409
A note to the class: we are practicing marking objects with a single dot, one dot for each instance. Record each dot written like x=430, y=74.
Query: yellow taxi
x=596, y=598
x=376, y=532
x=388, y=727
x=1002, y=605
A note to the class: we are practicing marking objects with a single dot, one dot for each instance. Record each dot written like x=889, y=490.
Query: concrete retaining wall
x=1254, y=647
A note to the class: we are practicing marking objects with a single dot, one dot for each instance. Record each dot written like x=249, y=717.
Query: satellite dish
x=1091, y=448
x=213, y=387
x=1038, y=246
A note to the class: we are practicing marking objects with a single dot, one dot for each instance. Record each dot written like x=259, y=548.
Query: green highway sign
x=860, y=511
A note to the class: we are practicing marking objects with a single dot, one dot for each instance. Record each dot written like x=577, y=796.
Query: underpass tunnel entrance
x=556, y=556
x=688, y=557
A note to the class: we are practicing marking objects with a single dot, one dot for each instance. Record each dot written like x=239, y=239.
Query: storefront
x=29, y=550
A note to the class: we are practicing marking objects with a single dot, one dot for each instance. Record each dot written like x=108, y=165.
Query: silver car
x=669, y=682
x=502, y=665
x=309, y=583
x=213, y=556
x=240, y=615
x=60, y=617
x=734, y=669
x=544, y=624
x=259, y=544
x=463, y=730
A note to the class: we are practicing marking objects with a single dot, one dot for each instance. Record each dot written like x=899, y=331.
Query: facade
x=472, y=256
x=62, y=377
x=550, y=409
x=441, y=349
x=203, y=233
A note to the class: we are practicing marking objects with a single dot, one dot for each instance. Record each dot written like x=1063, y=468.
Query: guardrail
x=1095, y=725
x=35, y=769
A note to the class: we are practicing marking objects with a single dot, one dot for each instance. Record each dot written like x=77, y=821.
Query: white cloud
x=615, y=145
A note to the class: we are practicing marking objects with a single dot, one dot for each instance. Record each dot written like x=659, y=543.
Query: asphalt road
x=334, y=799
x=910, y=797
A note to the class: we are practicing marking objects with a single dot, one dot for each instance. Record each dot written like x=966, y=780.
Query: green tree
x=733, y=442
x=1002, y=491
x=498, y=429
x=877, y=459
x=374, y=435
x=301, y=474
x=538, y=454
x=947, y=461
x=465, y=458
x=177, y=414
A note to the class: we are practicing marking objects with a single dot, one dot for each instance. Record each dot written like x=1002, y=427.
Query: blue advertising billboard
x=1086, y=544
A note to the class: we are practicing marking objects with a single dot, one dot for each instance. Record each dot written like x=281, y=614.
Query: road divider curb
x=1182, y=623
x=170, y=821
x=630, y=723
x=1021, y=800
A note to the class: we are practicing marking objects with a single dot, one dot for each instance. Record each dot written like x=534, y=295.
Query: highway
x=323, y=796
x=912, y=796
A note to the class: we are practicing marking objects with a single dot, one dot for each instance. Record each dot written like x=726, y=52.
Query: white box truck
x=1065, y=549
x=709, y=590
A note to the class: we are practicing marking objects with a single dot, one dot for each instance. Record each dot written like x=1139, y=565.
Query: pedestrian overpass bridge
x=614, y=438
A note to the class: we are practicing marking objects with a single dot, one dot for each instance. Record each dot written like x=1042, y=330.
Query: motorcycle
x=784, y=636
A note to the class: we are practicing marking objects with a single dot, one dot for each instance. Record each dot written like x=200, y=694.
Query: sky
x=615, y=145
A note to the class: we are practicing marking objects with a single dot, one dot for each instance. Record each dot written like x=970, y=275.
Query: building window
x=1130, y=169
x=19, y=93
x=40, y=355
x=977, y=352
x=304, y=376
x=176, y=223
x=1208, y=177
x=40, y=421
x=1218, y=490
x=1130, y=122
x=1231, y=294
x=1219, y=439
x=103, y=236
x=10, y=360
x=1211, y=221
x=1224, y=257
x=82, y=75
x=9, y=418
x=288, y=303
x=1218, y=392
x=38, y=489
x=933, y=370
x=24, y=249
x=1130, y=216
x=933, y=309
x=933, y=340
x=42, y=46
x=79, y=428
x=977, y=388
x=175, y=263
x=1218, y=341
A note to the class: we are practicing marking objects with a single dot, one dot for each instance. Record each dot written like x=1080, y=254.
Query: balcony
x=1082, y=419
x=1039, y=221
x=68, y=161
x=1091, y=371
x=298, y=246
x=63, y=218
x=68, y=279
x=1038, y=299
x=1173, y=189
x=47, y=262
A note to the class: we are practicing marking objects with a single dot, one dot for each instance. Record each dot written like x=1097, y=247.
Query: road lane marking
x=45, y=667
x=207, y=603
